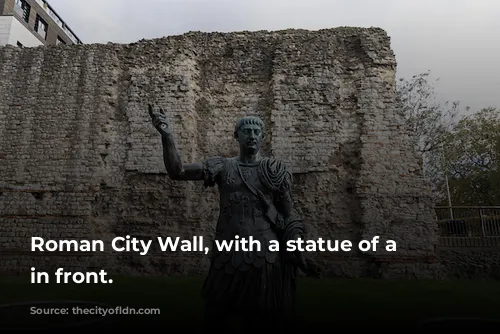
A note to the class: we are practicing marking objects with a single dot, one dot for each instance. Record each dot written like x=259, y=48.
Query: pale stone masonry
x=79, y=157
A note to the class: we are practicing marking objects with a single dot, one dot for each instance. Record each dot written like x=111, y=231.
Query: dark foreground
x=331, y=305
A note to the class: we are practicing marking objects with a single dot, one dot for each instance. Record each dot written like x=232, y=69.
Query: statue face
x=250, y=138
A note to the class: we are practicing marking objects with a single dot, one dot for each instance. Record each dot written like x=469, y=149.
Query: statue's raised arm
x=175, y=168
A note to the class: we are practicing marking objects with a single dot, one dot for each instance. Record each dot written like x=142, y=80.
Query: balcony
x=22, y=9
x=41, y=27
x=41, y=30
x=57, y=20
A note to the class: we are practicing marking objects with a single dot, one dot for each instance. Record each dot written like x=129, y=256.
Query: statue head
x=249, y=132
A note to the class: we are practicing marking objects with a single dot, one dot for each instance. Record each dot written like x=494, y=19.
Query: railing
x=469, y=226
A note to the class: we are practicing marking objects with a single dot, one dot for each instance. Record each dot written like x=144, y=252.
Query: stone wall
x=469, y=262
x=80, y=158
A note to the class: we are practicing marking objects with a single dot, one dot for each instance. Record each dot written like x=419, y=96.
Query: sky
x=457, y=40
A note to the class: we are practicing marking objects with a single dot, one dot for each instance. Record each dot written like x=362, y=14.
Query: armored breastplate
x=242, y=213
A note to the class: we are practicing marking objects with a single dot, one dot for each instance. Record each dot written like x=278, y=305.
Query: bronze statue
x=255, y=201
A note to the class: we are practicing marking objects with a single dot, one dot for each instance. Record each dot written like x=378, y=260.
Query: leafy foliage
x=464, y=152
x=471, y=158
x=427, y=118
x=429, y=121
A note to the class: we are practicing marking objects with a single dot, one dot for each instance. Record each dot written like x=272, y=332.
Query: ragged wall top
x=77, y=145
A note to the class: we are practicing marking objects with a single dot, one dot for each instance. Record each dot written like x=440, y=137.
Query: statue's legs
x=216, y=319
x=225, y=320
x=254, y=296
x=264, y=322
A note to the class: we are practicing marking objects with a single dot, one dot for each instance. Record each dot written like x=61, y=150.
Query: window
x=23, y=9
x=60, y=41
x=19, y=44
x=41, y=26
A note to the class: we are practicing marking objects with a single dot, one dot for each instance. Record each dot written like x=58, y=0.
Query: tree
x=428, y=121
x=471, y=153
x=426, y=117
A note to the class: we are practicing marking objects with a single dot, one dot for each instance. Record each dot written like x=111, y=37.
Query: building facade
x=30, y=23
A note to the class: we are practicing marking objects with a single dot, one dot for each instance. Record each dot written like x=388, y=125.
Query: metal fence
x=469, y=226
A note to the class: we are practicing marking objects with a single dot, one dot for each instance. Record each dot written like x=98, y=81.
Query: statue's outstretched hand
x=160, y=122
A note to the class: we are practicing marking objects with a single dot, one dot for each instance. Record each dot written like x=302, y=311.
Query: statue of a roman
x=255, y=201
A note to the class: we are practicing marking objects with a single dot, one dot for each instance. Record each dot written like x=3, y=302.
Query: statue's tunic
x=252, y=279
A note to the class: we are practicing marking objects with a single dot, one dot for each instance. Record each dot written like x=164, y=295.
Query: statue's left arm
x=276, y=176
x=279, y=178
x=293, y=225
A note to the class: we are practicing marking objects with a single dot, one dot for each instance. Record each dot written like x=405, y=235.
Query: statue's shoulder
x=216, y=160
x=274, y=165
x=275, y=174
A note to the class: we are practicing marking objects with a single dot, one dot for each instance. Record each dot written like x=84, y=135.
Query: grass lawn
x=355, y=303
